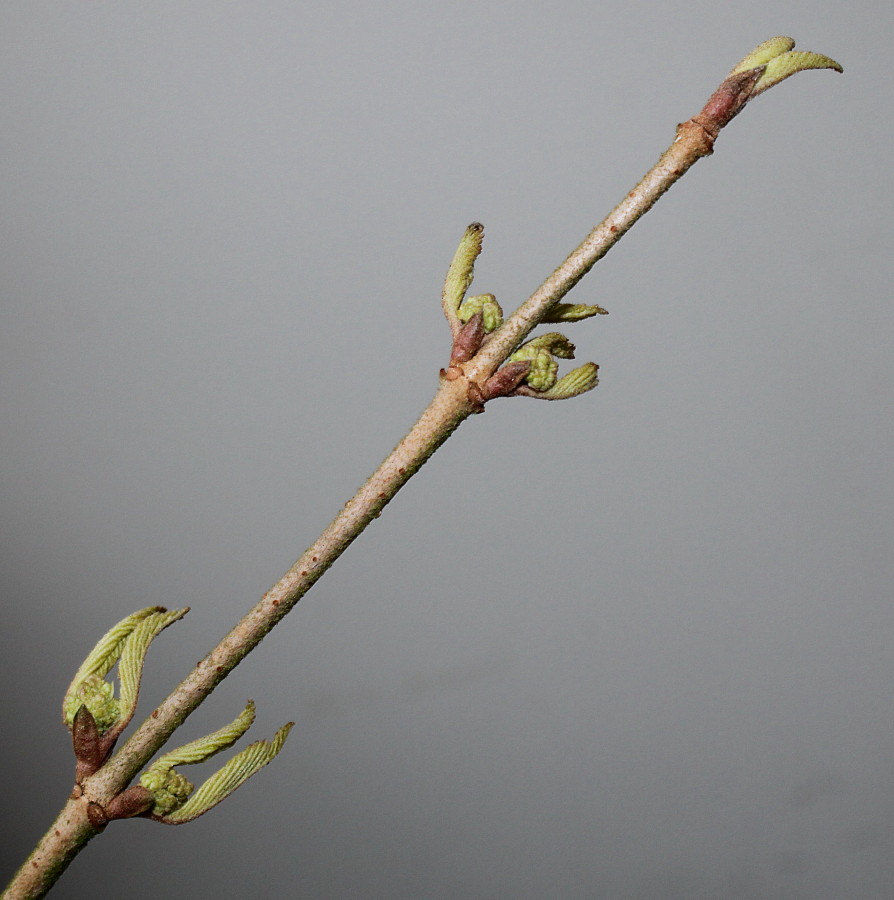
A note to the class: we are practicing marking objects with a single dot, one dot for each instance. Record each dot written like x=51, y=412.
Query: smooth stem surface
x=450, y=406
x=692, y=143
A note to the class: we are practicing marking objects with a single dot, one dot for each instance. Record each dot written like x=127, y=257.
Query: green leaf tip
x=763, y=53
x=169, y=790
x=174, y=800
x=577, y=381
x=126, y=644
x=543, y=372
x=553, y=342
x=486, y=304
x=542, y=352
x=461, y=271
x=780, y=61
x=98, y=696
x=572, y=312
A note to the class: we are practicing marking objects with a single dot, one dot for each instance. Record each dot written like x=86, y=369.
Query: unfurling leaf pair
x=779, y=61
x=766, y=65
x=532, y=370
x=542, y=380
x=90, y=709
x=96, y=719
x=174, y=800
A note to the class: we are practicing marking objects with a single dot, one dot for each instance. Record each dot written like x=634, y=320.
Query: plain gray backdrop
x=636, y=645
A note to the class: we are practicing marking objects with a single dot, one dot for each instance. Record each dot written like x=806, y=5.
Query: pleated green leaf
x=763, y=53
x=461, y=271
x=780, y=61
x=788, y=64
x=231, y=776
x=126, y=644
x=133, y=654
x=577, y=381
x=572, y=312
x=205, y=747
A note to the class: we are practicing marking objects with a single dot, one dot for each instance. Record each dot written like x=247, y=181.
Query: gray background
x=636, y=645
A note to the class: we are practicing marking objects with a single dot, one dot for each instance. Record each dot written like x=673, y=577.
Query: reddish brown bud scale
x=468, y=340
x=728, y=100
x=504, y=381
x=87, y=744
x=129, y=803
